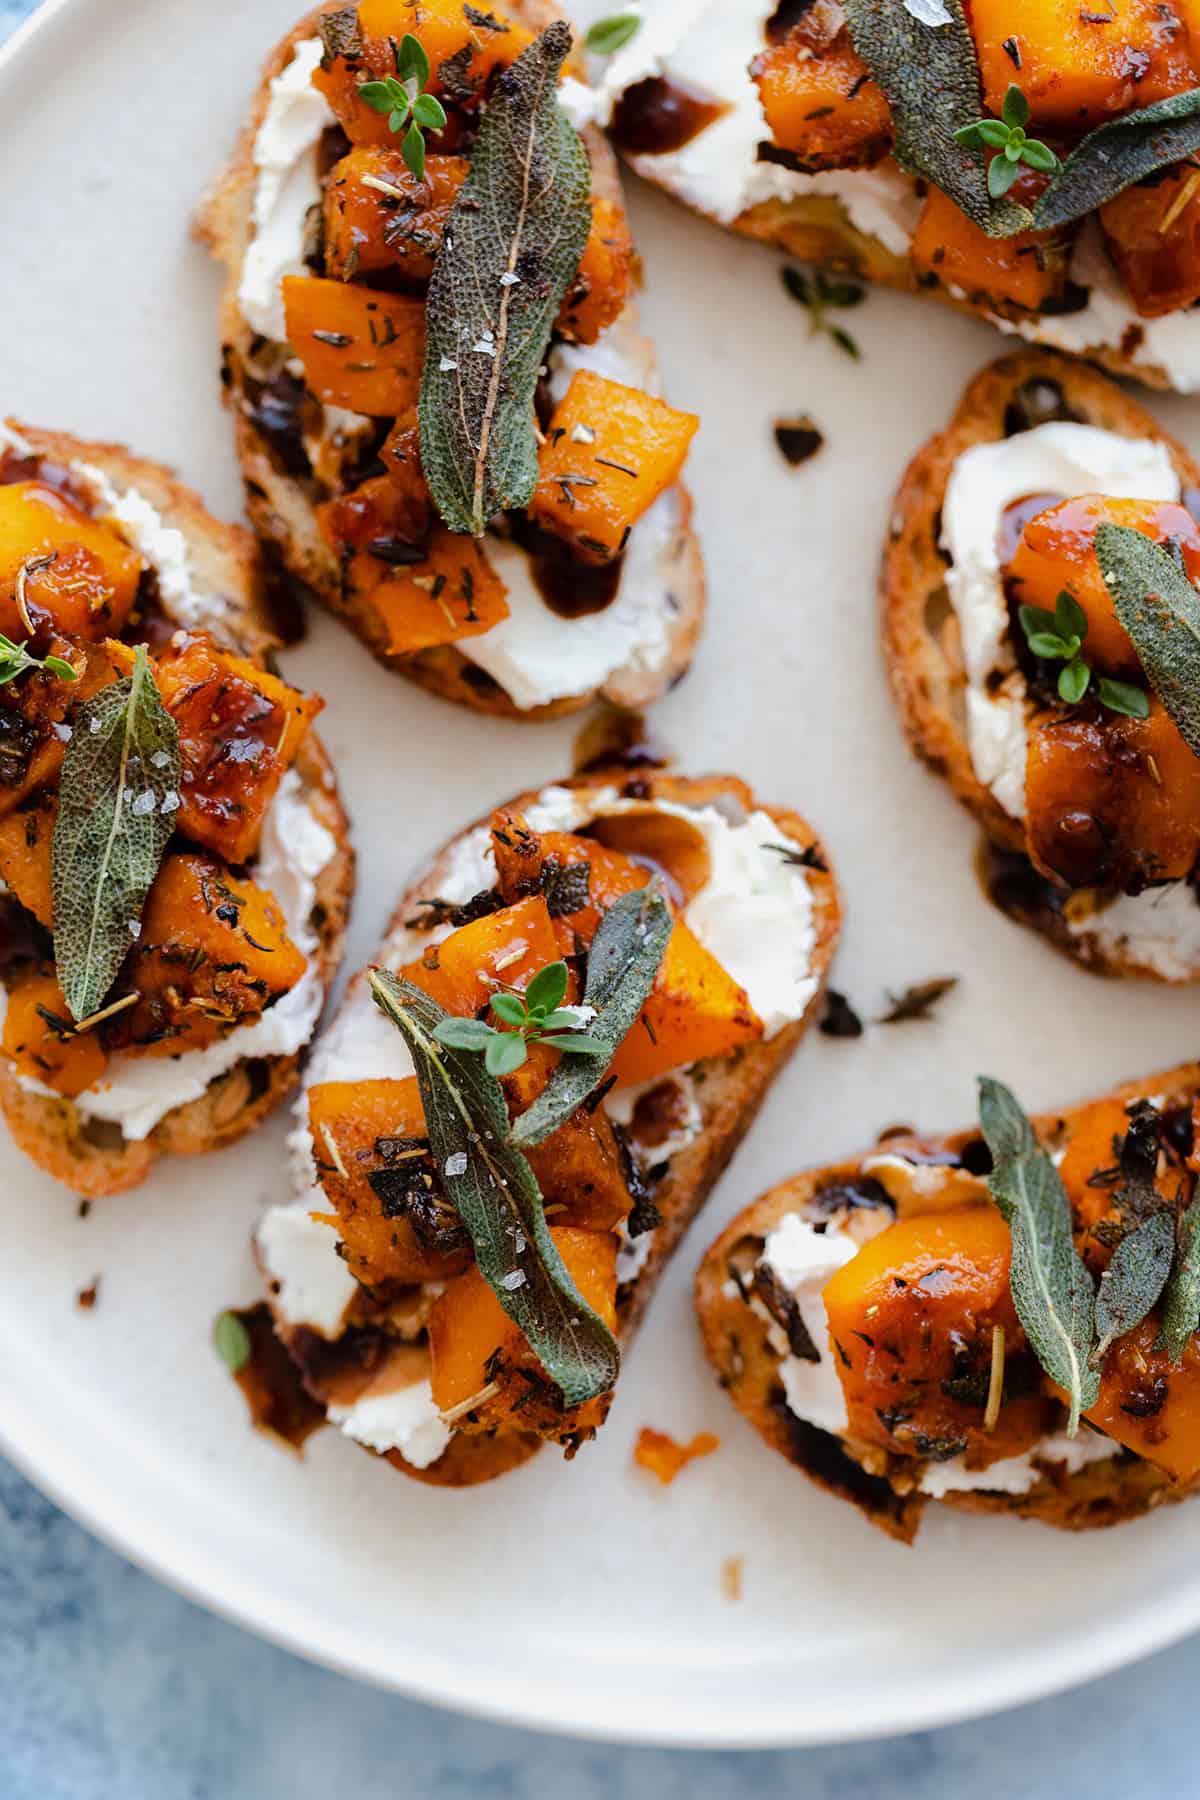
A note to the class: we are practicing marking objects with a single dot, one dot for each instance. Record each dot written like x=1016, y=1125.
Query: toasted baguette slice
x=926, y=673
x=92, y=1156
x=729, y=1091
x=737, y=1344
x=282, y=506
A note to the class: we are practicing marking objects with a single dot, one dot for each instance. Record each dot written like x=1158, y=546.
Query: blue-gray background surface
x=111, y=1688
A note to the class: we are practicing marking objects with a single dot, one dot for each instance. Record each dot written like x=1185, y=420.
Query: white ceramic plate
x=580, y=1597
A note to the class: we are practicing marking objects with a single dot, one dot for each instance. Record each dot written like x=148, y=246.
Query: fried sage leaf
x=629, y=945
x=930, y=77
x=1181, y=1301
x=496, y=1196
x=1133, y=1280
x=512, y=244
x=116, y=811
x=1160, y=609
x=1119, y=153
x=1051, y=1288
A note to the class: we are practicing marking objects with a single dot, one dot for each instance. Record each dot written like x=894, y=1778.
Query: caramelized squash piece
x=1153, y=237
x=380, y=526
x=609, y=453
x=450, y=592
x=360, y=349
x=1057, y=550
x=597, y=295
x=1089, y=1171
x=31, y=749
x=41, y=1041
x=1027, y=272
x=213, y=951
x=503, y=950
x=1111, y=802
x=379, y=217
x=373, y=1161
x=25, y=840
x=475, y=1346
x=1148, y=1404
x=401, y=457
x=1079, y=65
x=80, y=576
x=818, y=97
x=911, y=1322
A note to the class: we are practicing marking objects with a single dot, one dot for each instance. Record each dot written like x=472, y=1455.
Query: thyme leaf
x=1160, y=609
x=609, y=35
x=232, y=1341
x=15, y=659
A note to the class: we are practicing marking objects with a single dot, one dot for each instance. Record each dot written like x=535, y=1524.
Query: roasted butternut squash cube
x=1148, y=1404
x=32, y=711
x=1153, y=236
x=77, y=575
x=475, y=1347
x=379, y=217
x=360, y=349
x=25, y=840
x=1089, y=1171
x=449, y=592
x=373, y=1161
x=1111, y=802
x=401, y=457
x=599, y=292
x=505, y=949
x=695, y=1010
x=911, y=1322
x=1027, y=272
x=1057, y=551
x=213, y=950
x=818, y=96
x=1078, y=65
x=609, y=453
x=581, y=1171
x=41, y=1041
x=380, y=526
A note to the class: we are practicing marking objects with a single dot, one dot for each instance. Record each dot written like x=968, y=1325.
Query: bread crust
x=736, y=1344
x=730, y=1091
x=283, y=513
x=91, y=1156
x=927, y=681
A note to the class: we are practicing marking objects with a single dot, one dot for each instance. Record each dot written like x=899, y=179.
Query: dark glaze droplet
x=654, y=117
x=798, y=439
x=570, y=587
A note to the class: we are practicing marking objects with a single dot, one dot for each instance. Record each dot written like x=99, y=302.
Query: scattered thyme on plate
x=817, y=293
x=613, y=33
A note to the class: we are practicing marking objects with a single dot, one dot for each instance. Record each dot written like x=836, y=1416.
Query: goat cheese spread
x=405, y=1419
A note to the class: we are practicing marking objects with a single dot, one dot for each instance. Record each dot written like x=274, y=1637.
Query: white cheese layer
x=405, y=1420
x=1058, y=458
x=164, y=548
x=805, y=1259
x=1158, y=929
x=287, y=185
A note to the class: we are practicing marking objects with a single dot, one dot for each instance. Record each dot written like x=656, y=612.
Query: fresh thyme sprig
x=817, y=293
x=1058, y=637
x=537, y=1016
x=612, y=34
x=1007, y=135
x=15, y=659
x=401, y=96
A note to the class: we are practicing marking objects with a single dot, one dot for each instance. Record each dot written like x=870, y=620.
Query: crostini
x=828, y=130
x=874, y=1321
x=175, y=872
x=388, y=369
x=1017, y=681
x=632, y=958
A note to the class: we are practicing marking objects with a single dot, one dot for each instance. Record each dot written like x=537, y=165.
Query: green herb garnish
x=612, y=34
x=1160, y=609
x=537, y=1016
x=1058, y=636
x=495, y=1194
x=1118, y=154
x=118, y=799
x=817, y=292
x=1006, y=135
x=232, y=1341
x=1181, y=1300
x=408, y=107
x=15, y=659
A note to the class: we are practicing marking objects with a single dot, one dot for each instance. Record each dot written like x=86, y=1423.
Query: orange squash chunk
x=597, y=295
x=25, y=839
x=451, y=593
x=1093, y=1150
x=401, y=457
x=503, y=950
x=661, y=1455
x=1111, y=802
x=1026, y=271
x=474, y=1344
x=1148, y=1404
x=1057, y=550
x=383, y=524
x=40, y=1041
x=818, y=97
x=360, y=349
x=609, y=453
x=915, y=1309
x=1153, y=236
x=1079, y=65
x=368, y=230
x=81, y=577
x=372, y=1155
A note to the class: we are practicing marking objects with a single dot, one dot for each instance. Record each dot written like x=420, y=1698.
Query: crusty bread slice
x=920, y=641
x=729, y=1091
x=737, y=1345
x=282, y=508
x=90, y=1155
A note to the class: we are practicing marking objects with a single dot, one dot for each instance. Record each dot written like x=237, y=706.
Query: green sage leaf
x=630, y=943
x=1160, y=609
x=1051, y=1288
x=511, y=246
x=232, y=1341
x=1117, y=154
x=1181, y=1304
x=117, y=804
x=1133, y=1280
x=493, y=1189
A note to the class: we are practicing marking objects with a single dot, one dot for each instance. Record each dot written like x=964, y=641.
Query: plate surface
x=577, y=1597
